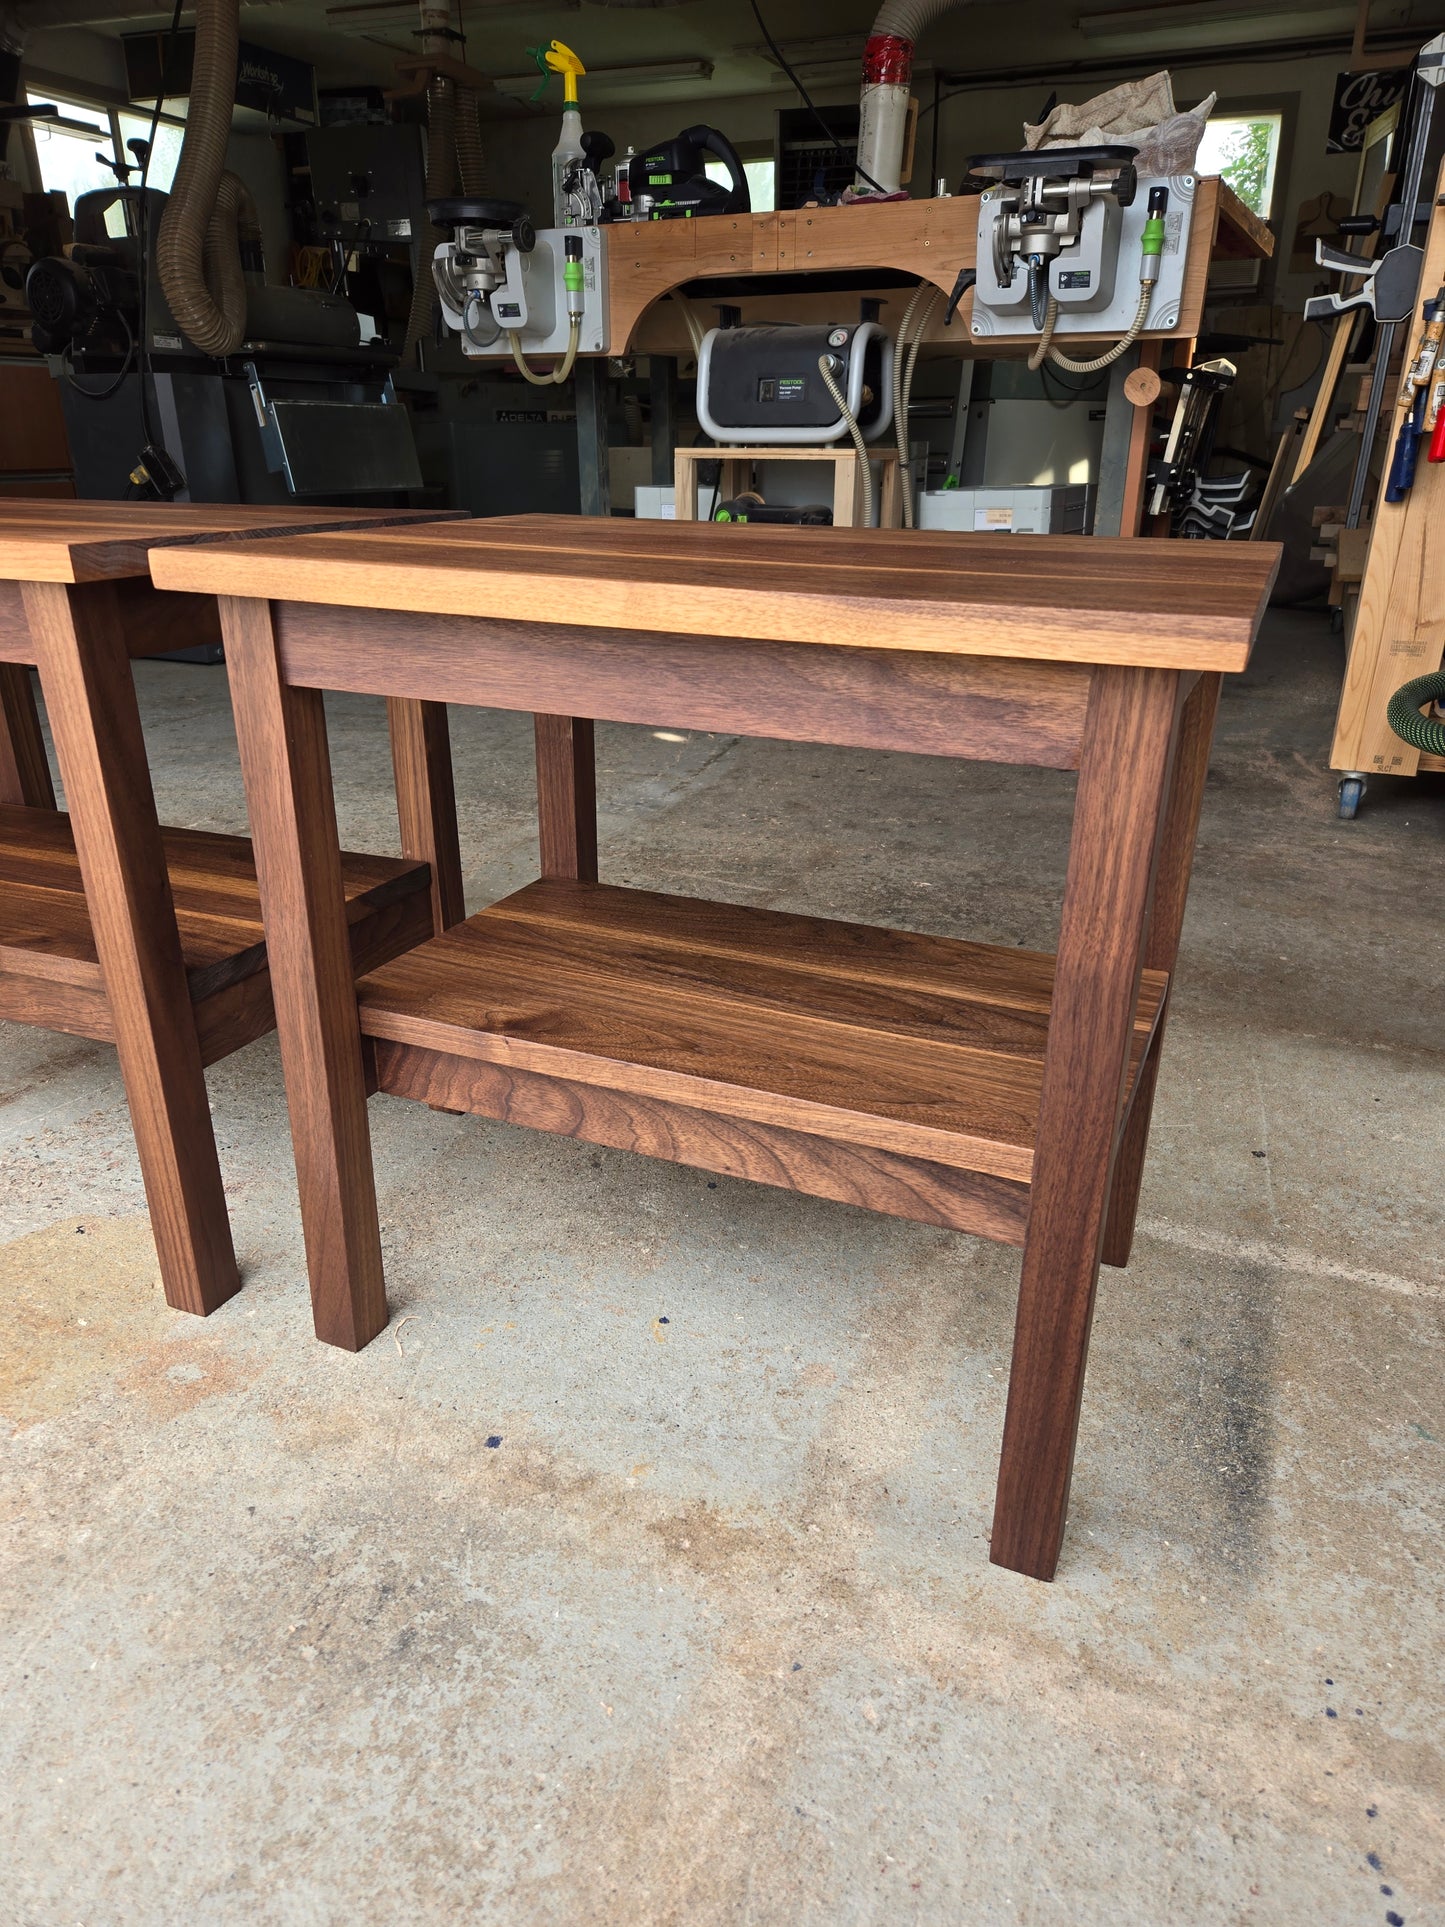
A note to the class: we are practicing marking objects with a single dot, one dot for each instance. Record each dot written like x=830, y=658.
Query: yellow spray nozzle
x=563, y=61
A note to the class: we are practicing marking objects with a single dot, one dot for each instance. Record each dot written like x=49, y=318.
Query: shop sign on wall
x=1359, y=99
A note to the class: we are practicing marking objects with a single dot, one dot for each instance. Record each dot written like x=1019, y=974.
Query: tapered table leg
x=1161, y=947
x=24, y=769
x=90, y=696
x=426, y=802
x=1123, y=781
x=566, y=797
x=287, y=772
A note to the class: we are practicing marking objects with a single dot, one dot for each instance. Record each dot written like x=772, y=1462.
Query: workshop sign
x=1359, y=99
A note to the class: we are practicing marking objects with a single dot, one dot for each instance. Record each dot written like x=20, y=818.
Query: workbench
x=998, y=1091
x=815, y=264
x=150, y=938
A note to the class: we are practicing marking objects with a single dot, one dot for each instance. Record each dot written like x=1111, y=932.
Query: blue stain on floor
x=494, y=1440
x=1376, y=1862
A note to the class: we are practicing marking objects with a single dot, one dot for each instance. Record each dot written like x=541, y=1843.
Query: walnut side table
x=114, y=928
x=998, y=1091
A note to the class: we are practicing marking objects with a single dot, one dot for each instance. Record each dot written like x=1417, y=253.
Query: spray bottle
x=568, y=154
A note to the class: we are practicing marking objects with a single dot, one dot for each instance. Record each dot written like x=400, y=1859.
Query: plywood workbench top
x=53, y=541
x=1168, y=605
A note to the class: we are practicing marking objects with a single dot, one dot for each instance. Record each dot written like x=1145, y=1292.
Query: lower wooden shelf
x=891, y=1070
x=49, y=973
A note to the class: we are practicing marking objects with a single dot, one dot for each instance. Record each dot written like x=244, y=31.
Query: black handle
x=712, y=142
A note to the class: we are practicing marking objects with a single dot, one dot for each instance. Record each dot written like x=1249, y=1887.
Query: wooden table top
x=57, y=541
x=1091, y=599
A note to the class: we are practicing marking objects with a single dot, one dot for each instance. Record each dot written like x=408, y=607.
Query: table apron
x=155, y=621
x=985, y=708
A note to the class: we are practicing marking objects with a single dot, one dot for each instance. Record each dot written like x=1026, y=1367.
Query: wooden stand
x=114, y=928
x=847, y=478
x=1399, y=627
x=996, y=1091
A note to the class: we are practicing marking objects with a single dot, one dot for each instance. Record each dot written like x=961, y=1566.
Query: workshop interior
x=949, y=402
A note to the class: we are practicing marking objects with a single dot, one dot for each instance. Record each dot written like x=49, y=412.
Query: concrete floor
x=545, y=1610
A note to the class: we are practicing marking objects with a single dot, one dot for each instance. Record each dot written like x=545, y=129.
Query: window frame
x=106, y=105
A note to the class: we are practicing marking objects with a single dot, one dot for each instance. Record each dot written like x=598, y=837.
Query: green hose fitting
x=1151, y=245
x=1425, y=733
x=572, y=276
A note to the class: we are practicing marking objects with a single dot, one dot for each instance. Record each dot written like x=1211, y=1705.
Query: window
x=69, y=157
x=1244, y=150
x=167, y=148
x=66, y=155
x=760, y=182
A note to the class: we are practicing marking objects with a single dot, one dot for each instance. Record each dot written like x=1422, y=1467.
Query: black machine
x=91, y=297
x=669, y=182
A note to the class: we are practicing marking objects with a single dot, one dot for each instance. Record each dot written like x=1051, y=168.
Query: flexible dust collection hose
x=441, y=164
x=825, y=369
x=215, y=326
x=1046, y=349
x=1151, y=249
x=906, y=351
x=564, y=367
x=1402, y=713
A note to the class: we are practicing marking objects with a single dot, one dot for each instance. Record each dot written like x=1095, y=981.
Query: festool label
x=1077, y=278
x=783, y=388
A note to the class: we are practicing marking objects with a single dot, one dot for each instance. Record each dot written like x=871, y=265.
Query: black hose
x=1425, y=733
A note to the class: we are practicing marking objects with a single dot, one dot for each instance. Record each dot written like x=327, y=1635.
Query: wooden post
x=662, y=395
x=426, y=803
x=287, y=772
x=24, y=768
x=90, y=697
x=566, y=797
x=589, y=381
x=1123, y=779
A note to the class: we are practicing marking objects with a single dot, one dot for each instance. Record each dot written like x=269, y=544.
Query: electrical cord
x=776, y=51
x=104, y=394
x=467, y=328
x=825, y=369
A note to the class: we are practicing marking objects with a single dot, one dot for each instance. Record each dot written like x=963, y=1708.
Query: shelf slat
x=921, y=1047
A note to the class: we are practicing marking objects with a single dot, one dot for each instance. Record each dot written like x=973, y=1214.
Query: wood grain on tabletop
x=1074, y=599
x=45, y=927
x=57, y=541
x=922, y=1046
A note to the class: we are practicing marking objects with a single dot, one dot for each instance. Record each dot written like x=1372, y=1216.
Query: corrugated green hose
x=1426, y=733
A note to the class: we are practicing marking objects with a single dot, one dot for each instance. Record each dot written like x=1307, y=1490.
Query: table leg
x=1123, y=779
x=287, y=771
x=24, y=770
x=566, y=797
x=1161, y=948
x=426, y=801
x=90, y=697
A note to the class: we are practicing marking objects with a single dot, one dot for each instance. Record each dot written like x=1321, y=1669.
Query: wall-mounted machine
x=1072, y=241
x=508, y=288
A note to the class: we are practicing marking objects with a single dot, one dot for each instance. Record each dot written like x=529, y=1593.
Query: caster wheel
x=1352, y=790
